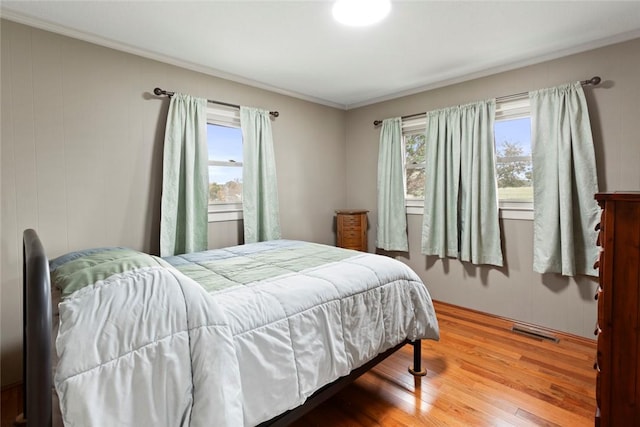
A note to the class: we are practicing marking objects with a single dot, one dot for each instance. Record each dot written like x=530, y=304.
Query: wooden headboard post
x=36, y=314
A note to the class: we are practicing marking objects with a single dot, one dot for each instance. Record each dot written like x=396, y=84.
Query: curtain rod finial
x=593, y=81
x=158, y=91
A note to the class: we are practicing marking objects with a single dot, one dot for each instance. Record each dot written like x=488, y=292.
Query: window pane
x=414, y=160
x=513, y=160
x=224, y=143
x=414, y=148
x=225, y=182
x=415, y=183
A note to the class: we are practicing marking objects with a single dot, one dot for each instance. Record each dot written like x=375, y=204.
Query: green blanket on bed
x=239, y=265
x=214, y=270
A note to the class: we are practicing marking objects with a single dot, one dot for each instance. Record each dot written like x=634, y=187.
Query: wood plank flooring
x=479, y=374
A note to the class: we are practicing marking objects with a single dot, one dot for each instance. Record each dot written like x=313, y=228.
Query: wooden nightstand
x=351, y=225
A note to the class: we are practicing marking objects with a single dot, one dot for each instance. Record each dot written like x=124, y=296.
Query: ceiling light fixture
x=358, y=13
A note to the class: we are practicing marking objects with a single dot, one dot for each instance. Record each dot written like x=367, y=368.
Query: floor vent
x=531, y=332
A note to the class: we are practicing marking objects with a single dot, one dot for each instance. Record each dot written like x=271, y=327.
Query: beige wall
x=82, y=151
x=516, y=291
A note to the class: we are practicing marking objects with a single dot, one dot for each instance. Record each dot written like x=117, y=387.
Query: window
x=414, y=151
x=513, y=159
x=224, y=140
x=225, y=164
x=415, y=164
x=513, y=152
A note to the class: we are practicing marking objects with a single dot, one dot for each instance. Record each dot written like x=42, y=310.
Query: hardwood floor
x=479, y=374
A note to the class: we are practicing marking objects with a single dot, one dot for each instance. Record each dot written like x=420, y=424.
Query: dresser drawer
x=352, y=244
x=350, y=234
x=352, y=230
x=349, y=231
x=351, y=221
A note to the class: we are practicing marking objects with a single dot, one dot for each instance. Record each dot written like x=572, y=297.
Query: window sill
x=225, y=212
x=514, y=213
x=414, y=207
x=508, y=210
x=516, y=210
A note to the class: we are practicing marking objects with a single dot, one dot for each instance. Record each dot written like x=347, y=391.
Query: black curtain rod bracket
x=159, y=92
x=593, y=81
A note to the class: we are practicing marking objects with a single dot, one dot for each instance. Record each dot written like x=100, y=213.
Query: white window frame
x=508, y=108
x=230, y=117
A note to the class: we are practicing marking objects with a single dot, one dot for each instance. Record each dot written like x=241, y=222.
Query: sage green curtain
x=564, y=182
x=185, y=182
x=461, y=202
x=392, y=219
x=259, y=183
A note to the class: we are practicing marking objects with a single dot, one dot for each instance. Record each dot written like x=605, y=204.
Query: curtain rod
x=159, y=92
x=592, y=81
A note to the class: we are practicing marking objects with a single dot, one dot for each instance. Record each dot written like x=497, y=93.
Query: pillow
x=79, y=269
x=63, y=259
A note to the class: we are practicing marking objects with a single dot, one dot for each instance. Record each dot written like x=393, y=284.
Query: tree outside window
x=415, y=164
x=513, y=160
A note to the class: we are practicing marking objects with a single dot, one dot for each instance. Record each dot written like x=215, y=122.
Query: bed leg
x=416, y=370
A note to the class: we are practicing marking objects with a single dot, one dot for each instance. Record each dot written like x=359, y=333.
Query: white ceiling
x=295, y=47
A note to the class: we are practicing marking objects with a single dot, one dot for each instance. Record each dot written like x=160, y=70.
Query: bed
x=250, y=335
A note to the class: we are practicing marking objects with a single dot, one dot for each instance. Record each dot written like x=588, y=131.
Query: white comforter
x=151, y=347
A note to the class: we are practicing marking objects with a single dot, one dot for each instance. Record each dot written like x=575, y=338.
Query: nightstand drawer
x=350, y=234
x=352, y=221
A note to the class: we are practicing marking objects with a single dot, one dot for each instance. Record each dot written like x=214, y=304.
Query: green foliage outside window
x=513, y=172
x=230, y=192
x=415, y=158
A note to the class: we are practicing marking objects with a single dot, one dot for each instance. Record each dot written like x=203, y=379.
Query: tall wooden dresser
x=618, y=354
x=351, y=226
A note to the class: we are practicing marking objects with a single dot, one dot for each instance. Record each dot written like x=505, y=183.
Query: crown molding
x=502, y=68
x=21, y=18
x=38, y=23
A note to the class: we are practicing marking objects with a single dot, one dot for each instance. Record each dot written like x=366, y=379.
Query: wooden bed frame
x=37, y=369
